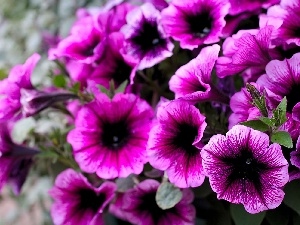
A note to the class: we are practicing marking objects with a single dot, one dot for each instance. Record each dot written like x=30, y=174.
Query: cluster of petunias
x=155, y=93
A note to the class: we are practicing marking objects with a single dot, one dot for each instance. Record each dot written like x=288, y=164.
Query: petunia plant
x=170, y=113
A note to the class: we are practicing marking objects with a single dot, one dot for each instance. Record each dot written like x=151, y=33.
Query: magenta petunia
x=110, y=136
x=10, y=88
x=15, y=160
x=247, y=51
x=287, y=14
x=282, y=78
x=192, y=82
x=138, y=206
x=113, y=66
x=76, y=201
x=242, y=6
x=196, y=22
x=175, y=142
x=34, y=101
x=243, y=168
x=84, y=44
x=112, y=20
x=145, y=40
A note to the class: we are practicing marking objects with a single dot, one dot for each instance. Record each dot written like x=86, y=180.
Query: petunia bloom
x=20, y=99
x=243, y=168
x=138, y=206
x=282, y=78
x=145, y=40
x=76, y=201
x=195, y=23
x=84, y=43
x=248, y=52
x=192, y=82
x=286, y=14
x=34, y=101
x=110, y=136
x=113, y=19
x=113, y=66
x=175, y=142
x=10, y=88
x=15, y=160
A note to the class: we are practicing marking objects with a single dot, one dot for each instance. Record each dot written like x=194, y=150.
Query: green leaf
x=122, y=87
x=241, y=217
x=292, y=195
x=167, y=195
x=75, y=88
x=125, y=184
x=282, y=138
x=103, y=89
x=267, y=121
x=59, y=81
x=279, y=113
x=256, y=124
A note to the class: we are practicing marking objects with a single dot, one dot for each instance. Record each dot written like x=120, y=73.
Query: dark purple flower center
x=148, y=37
x=122, y=72
x=297, y=32
x=148, y=204
x=185, y=137
x=200, y=24
x=115, y=135
x=287, y=53
x=89, y=199
x=245, y=166
x=88, y=48
x=293, y=97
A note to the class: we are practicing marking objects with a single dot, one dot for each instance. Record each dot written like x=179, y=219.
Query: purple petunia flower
x=241, y=6
x=113, y=66
x=77, y=201
x=246, y=51
x=15, y=160
x=287, y=15
x=174, y=143
x=196, y=22
x=282, y=78
x=113, y=19
x=10, y=88
x=138, y=206
x=192, y=82
x=110, y=136
x=84, y=44
x=34, y=101
x=243, y=168
x=145, y=40
x=20, y=99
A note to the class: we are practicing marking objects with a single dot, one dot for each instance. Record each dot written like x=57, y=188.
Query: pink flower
x=110, y=136
x=76, y=201
x=243, y=168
